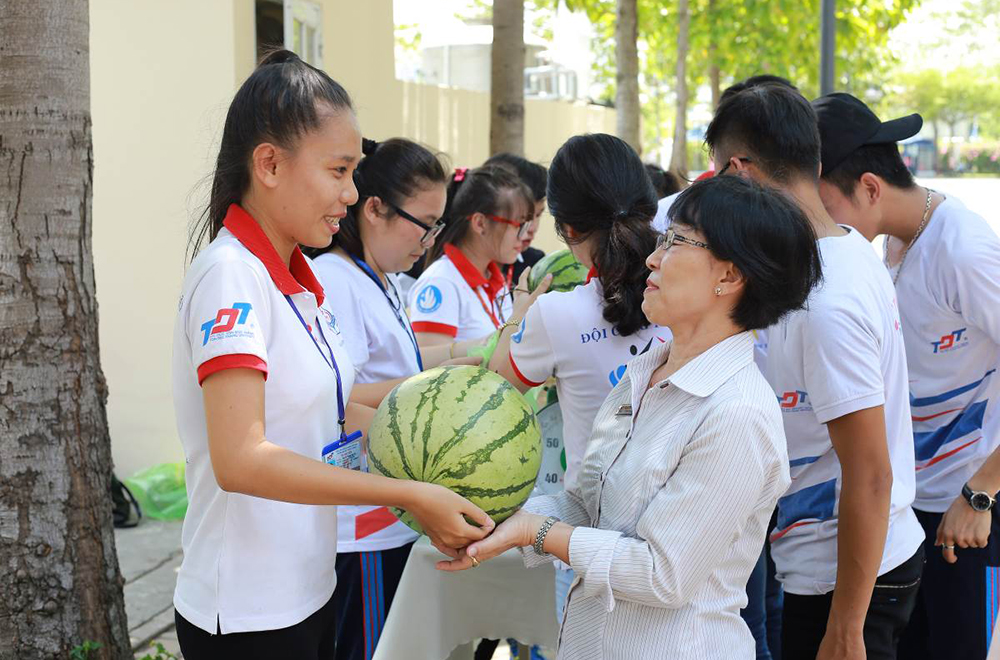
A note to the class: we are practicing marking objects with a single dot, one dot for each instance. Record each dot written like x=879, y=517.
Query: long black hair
x=534, y=175
x=278, y=103
x=598, y=187
x=490, y=189
x=392, y=171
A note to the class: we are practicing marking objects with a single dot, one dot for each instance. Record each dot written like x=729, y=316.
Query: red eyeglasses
x=522, y=227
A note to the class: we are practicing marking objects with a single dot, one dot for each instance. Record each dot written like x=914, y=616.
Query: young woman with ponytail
x=462, y=293
x=602, y=202
x=262, y=382
x=401, y=198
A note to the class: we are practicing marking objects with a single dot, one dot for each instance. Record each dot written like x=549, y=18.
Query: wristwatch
x=977, y=499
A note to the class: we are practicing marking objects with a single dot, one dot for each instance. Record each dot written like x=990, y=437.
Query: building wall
x=163, y=74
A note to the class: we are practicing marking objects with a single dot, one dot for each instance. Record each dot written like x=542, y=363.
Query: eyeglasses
x=522, y=227
x=430, y=232
x=670, y=238
x=730, y=162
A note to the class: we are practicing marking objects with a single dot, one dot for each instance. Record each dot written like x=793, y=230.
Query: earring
x=718, y=290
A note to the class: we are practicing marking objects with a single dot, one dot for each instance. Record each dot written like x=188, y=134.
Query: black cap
x=845, y=123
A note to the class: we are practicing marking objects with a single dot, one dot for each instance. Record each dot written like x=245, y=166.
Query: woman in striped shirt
x=687, y=455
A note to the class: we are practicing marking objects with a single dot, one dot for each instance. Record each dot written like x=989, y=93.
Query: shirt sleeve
x=841, y=362
x=728, y=471
x=228, y=320
x=567, y=506
x=531, y=354
x=435, y=306
x=973, y=283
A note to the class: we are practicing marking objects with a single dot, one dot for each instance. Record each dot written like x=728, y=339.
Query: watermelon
x=567, y=272
x=465, y=428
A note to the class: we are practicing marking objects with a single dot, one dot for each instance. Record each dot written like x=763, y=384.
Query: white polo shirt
x=564, y=334
x=841, y=354
x=949, y=301
x=250, y=563
x=453, y=298
x=383, y=350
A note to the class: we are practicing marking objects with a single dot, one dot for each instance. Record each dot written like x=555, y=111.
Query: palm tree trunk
x=678, y=158
x=627, y=75
x=507, y=78
x=714, y=74
x=59, y=580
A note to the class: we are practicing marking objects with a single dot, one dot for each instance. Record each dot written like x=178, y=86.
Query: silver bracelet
x=542, y=532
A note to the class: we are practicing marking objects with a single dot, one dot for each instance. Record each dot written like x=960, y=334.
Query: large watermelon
x=567, y=272
x=465, y=428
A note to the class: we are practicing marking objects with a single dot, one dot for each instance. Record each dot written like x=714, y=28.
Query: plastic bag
x=161, y=491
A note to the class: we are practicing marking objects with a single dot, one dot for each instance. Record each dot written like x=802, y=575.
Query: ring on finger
x=948, y=547
x=475, y=562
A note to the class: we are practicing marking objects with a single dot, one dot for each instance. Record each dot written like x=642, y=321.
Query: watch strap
x=542, y=533
x=969, y=494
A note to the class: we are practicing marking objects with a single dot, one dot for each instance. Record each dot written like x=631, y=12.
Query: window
x=293, y=24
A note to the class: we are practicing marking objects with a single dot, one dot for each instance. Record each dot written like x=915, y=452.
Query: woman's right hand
x=442, y=515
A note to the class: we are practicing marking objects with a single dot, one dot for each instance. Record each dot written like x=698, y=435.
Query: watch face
x=981, y=502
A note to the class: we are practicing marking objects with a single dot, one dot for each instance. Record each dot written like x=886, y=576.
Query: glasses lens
x=432, y=232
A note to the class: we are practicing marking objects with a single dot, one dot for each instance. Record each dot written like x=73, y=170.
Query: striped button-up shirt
x=678, y=484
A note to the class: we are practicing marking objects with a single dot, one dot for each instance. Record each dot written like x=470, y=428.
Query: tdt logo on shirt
x=951, y=342
x=429, y=299
x=225, y=321
x=331, y=320
x=795, y=401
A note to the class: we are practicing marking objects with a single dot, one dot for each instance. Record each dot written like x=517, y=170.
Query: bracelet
x=542, y=533
x=451, y=350
x=507, y=324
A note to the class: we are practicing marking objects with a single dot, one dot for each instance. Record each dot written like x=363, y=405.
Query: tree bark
x=627, y=73
x=507, y=78
x=59, y=575
x=714, y=74
x=678, y=158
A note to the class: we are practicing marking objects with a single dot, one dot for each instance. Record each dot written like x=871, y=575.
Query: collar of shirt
x=297, y=277
x=591, y=274
x=471, y=274
x=701, y=376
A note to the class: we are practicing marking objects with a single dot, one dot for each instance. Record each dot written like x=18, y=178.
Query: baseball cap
x=846, y=123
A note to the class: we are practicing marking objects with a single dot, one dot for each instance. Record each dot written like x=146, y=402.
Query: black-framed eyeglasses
x=430, y=231
x=730, y=162
x=670, y=237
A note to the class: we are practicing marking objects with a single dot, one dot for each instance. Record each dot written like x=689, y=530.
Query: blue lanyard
x=407, y=328
x=332, y=363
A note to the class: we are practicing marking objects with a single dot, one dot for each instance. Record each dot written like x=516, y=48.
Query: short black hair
x=753, y=81
x=882, y=160
x=776, y=125
x=664, y=181
x=533, y=175
x=765, y=235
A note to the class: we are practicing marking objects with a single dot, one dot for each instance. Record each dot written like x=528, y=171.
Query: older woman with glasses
x=687, y=457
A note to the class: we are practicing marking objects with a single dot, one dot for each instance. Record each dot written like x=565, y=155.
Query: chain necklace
x=920, y=230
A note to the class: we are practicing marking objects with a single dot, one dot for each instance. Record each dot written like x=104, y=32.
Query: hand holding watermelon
x=444, y=516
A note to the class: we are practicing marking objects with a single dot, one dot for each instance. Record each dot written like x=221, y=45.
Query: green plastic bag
x=161, y=491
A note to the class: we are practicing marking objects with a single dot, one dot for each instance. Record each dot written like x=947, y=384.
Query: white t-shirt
x=251, y=563
x=949, y=301
x=383, y=350
x=452, y=297
x=841, y=354
x=565, y=335
x=660, y=220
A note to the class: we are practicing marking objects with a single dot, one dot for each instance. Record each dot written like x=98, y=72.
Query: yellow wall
x=162, y=76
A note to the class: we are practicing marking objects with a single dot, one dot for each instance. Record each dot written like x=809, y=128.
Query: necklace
x=920, y=230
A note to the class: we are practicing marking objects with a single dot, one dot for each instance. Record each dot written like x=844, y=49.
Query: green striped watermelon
x=465, y=428
x=567, y=272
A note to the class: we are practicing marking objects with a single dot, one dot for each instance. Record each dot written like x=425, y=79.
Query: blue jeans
x=564, y=580
x=763, y=611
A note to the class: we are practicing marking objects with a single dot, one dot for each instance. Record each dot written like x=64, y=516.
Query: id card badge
x=345, y=452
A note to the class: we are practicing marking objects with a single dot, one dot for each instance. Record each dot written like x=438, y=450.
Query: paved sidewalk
x=149, y=556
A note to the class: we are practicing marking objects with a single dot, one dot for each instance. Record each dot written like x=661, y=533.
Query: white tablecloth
x=434, y=612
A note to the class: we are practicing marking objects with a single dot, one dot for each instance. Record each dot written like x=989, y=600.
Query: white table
x=434, y=612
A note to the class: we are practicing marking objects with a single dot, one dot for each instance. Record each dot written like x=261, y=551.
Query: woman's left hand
x=524, y=300
x=517, y=531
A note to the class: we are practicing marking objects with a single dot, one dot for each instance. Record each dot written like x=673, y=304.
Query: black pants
x=312, y=639
x=957, y=603
x=804, y=618
x=366, y=585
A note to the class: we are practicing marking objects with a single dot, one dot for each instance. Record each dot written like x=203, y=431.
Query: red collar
x=591, y=274
x=471, y=274
x=297, y=278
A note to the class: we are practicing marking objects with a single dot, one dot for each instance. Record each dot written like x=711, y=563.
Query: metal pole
x=828, y=42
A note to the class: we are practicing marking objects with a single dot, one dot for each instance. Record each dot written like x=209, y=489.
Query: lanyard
x=331, y=362
x=489, y=310
x=405, y=324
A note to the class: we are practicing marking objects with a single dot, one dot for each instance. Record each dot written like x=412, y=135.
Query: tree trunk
x=678, y=159
x=59, y=576
x=507, y=78
x=627, y=76
x=714, y=74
